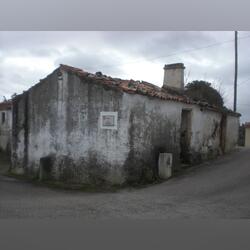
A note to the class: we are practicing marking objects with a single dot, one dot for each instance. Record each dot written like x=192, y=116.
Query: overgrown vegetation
x=203, y=91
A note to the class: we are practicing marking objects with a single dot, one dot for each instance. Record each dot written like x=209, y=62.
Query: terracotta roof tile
x=130, y=86
x=6, y=105
x=247, y=125
x=143, y=88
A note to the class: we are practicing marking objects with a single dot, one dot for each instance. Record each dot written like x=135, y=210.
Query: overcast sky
x=26, y=57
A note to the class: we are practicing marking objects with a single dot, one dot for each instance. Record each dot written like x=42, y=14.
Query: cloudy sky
x=26, y=57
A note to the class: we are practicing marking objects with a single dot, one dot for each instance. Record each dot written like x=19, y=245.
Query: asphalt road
x=218, y=189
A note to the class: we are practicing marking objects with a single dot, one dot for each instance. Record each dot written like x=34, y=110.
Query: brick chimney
x=174, y=76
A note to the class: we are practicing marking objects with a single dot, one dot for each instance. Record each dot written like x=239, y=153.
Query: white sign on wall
x=108, y=120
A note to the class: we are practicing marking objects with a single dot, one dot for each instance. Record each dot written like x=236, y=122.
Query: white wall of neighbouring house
x=5, y=129
x=247, y=137
x=205, y=133
x=232, y=132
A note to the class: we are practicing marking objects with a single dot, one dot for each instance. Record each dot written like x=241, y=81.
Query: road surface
x=218, y=189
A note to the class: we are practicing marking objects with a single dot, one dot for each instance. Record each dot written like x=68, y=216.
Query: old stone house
x=91, y=128
x=5, y=126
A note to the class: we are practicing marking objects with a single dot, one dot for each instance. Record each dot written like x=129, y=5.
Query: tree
x=200, y=90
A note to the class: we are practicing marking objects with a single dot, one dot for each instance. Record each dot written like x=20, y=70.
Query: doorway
x=185, y=136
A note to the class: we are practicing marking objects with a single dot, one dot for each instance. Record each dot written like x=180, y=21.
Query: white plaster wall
x=40, y=145
x=42, y=141
x=85, y=140
x=205, y=135
x=152, y=111
x=154, y=129
x=89, y=140
x=174, y=78
x=232, y=132
x=5, y=130
x=66, y=124
x=247, y=137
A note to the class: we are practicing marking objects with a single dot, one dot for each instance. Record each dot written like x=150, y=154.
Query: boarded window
x=108, y=120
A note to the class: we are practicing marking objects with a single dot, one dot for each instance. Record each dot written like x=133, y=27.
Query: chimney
x=174, y=76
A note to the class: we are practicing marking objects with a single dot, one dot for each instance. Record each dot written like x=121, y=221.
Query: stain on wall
x=57, y=132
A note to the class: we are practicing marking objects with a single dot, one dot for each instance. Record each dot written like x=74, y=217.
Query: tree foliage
x=203, y=91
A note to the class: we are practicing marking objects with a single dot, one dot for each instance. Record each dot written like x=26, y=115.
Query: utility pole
x=236, y=69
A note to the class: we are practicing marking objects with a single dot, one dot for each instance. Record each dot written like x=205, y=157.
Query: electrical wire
x=177, y=53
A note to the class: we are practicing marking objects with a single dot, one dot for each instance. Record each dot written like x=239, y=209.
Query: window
x=3, y=117
x=108, y=120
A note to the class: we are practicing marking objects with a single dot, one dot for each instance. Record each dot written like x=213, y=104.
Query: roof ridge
x=141, y=87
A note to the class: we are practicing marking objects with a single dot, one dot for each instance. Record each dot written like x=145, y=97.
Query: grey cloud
x=110, y=51
x=90, y=61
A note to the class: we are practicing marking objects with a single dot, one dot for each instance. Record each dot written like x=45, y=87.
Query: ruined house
x=5, y=126
x=80, y=127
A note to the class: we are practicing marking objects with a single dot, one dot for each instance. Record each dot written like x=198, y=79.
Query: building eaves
x=142, y=88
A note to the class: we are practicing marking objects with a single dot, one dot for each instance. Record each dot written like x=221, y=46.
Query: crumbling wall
x=232, y=132
x=89, y=153
x=58, y=132
x=205, y=134
x=32, y=137
x=19, y=143
x=47, y=102
x=154, y=128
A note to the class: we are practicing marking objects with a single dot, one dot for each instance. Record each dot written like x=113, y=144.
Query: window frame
x=114, y=114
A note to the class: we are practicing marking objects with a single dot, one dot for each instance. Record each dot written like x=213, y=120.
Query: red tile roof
x=247, y=125
x=129, y=86
x=140, y=87
x=6, y=105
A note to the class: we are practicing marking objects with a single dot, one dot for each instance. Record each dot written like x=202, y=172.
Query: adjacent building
x=79, y=127
x=247, y=134
x=5, y=126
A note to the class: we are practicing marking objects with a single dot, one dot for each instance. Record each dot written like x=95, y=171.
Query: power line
x=177, y=53
x=244, y=82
